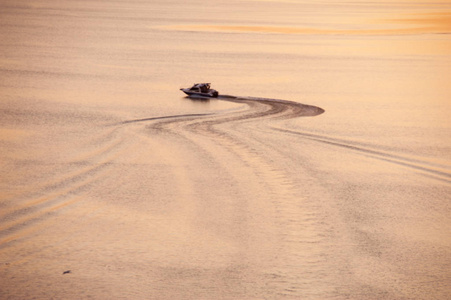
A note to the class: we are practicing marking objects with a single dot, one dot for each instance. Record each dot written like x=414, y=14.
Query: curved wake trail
x=259, y=108
x=282, y=108
x=276, y=109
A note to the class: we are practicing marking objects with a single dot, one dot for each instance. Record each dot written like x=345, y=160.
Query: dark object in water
x=66, y=272
x=201, y=89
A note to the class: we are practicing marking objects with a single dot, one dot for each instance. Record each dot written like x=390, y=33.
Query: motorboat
x=201, y=89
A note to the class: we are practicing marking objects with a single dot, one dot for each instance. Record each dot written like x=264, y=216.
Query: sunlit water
x=322, y=172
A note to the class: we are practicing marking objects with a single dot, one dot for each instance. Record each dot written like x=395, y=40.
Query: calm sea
x=323, y=170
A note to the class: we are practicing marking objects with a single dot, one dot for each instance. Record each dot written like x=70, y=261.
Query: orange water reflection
x=426, y=23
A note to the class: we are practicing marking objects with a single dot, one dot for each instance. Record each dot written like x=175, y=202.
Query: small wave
x=381, y=155
x=163, y=117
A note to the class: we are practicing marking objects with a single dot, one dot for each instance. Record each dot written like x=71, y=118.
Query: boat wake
x=246, y=191
x=265, y=109
x=429, y=169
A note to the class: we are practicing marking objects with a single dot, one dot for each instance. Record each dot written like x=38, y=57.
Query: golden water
x=323, y=171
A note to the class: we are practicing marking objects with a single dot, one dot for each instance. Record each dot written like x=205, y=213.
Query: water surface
x=322, y=172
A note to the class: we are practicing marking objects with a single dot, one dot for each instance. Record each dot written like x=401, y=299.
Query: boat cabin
x=200, y=87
